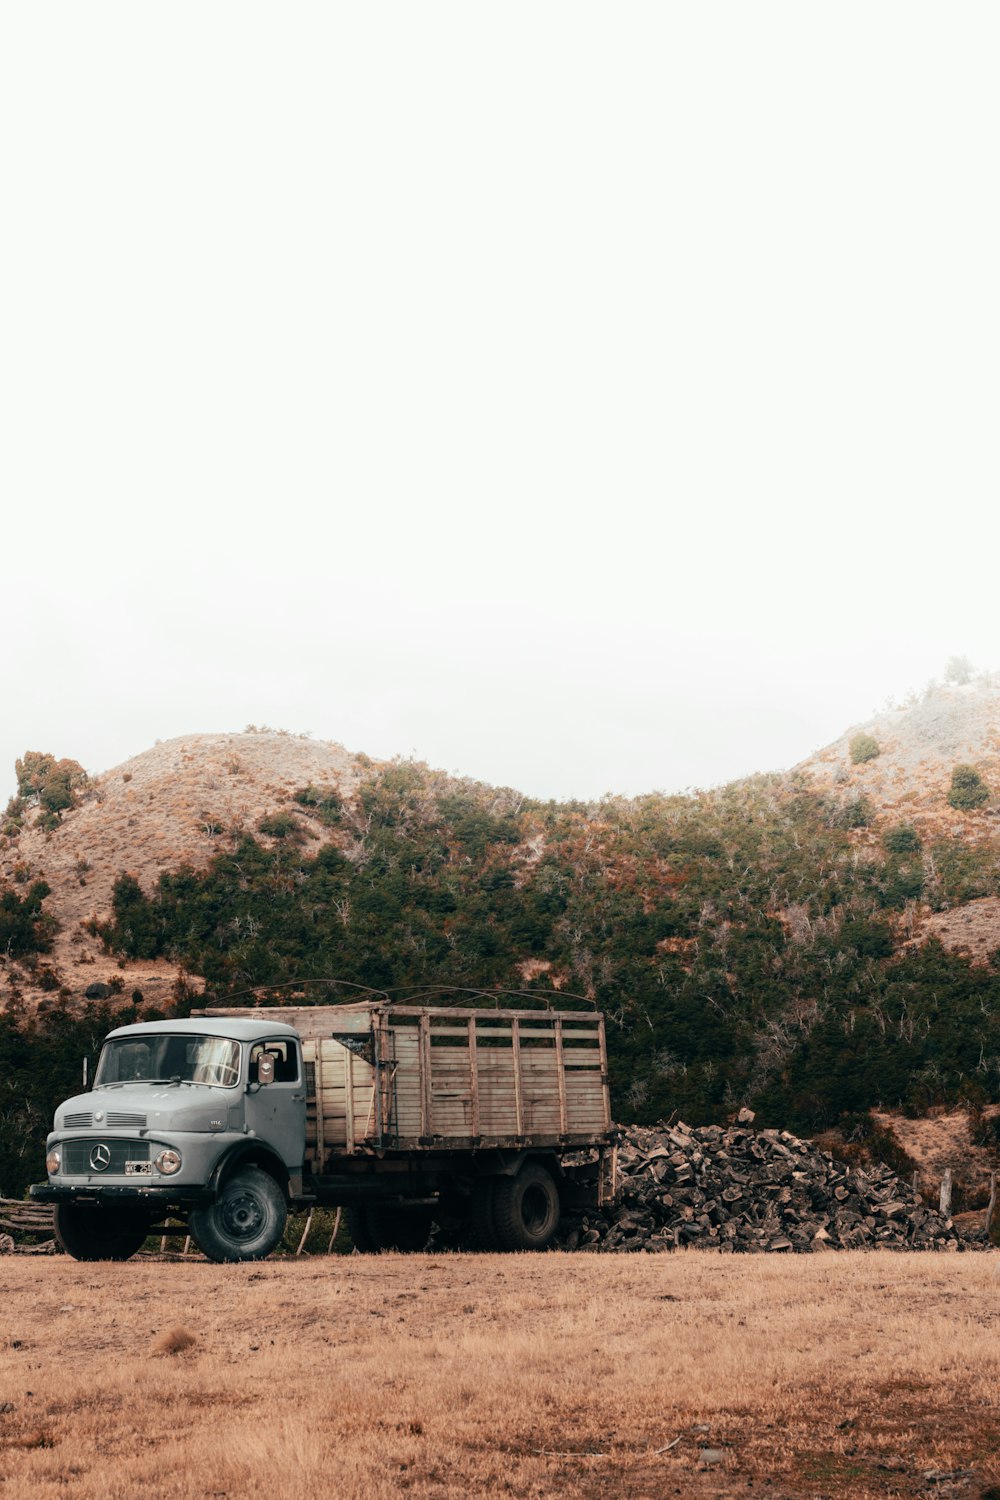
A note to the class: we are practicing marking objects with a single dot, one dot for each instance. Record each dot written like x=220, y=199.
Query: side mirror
x=265, y=1068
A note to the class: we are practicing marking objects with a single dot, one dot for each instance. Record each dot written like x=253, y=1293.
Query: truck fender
x=245, y=1154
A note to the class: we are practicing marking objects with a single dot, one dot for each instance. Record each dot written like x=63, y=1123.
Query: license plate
x=138, y=1169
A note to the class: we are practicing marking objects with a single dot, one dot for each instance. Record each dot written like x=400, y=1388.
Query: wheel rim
x=535, y=1208
x=243, y=1216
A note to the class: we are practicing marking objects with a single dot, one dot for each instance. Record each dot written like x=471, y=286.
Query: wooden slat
x=606, y=1086
x=320, y=1122
x=425, y=1071
x=349, y=1103
x=515, y=1038
x=542, y=1017
x=310, y=1021
x=560, y=1079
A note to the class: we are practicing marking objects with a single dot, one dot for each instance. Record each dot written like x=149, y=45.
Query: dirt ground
x=449, y=1375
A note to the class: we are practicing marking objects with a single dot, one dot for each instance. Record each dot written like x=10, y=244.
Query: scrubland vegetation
x=758, y=944
x=748, y=944
x=693, y=1375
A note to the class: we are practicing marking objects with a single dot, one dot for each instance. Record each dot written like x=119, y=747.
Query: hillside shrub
x=137, y=931
x=855, y=813
x=968, y=790
x=323, y=801
x=903, y=881
x=963, y=873
x=903, y=839
x=863, y=747
x=24, y=928
x=52, y=785
x=279, y=825
x=959, y=671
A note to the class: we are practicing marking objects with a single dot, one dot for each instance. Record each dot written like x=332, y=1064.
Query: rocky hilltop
x=176, y=804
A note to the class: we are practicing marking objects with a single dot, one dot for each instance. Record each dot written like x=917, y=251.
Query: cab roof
x=228, y=1026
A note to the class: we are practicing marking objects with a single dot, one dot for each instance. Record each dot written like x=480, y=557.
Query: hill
x=814, y=944
x=176, y=804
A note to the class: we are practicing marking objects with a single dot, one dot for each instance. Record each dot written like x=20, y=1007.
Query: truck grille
x=76, y=1156
x=78, y=1122
x=135, y=1122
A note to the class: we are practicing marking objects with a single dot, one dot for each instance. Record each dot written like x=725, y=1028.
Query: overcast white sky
x=581, y=397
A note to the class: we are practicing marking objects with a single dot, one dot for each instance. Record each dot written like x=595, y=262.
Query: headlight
x=168, y=1162
x=53, y=1162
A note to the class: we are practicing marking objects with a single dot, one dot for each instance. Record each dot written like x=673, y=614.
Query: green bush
x=24, y=927
x=279, y=825
x=968, y=789
x=325, y=802
x=903, y=839
x=863, y=747
x=903, y=882
x=857, y=813
x=53, y=784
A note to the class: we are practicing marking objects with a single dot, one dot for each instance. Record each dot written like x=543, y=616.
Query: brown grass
x=690, y=1375
x=174, y=1341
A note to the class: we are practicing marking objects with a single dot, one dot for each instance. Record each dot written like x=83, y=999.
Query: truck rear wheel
x=98, y=1233
x=526, y=1209
x=375, y=1226
x=245, y=1222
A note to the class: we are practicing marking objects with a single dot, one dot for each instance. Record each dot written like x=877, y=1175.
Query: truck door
x=277, y=1111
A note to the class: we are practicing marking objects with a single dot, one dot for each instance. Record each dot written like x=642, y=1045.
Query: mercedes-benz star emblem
x=100, y=1158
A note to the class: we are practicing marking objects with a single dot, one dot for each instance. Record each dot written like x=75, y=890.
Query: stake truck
x=485, y=1121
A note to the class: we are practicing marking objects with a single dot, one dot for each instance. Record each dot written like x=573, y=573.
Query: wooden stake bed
x=383, y=1077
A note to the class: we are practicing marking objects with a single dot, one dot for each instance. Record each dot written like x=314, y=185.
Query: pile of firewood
x=25, y=1228
x=738, y=1189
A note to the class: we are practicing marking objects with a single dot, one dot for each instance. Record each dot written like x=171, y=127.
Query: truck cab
x=205, y=1117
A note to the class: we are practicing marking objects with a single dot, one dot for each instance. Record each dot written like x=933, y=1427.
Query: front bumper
x=86, y=1192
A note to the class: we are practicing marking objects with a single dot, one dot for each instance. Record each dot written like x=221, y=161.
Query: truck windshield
x=164, y=1058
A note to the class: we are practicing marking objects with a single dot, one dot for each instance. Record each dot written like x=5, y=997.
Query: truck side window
x=286, y=1060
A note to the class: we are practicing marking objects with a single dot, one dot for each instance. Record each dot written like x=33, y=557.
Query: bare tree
x=959, y=671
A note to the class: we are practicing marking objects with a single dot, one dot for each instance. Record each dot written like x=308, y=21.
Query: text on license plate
x=138, y=1169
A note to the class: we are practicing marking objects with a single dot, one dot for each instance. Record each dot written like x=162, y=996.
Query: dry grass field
x=839, y=1375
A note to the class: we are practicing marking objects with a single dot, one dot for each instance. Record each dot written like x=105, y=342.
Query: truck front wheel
x=245, y=1222
x=526, y=1209
x=89, y=1233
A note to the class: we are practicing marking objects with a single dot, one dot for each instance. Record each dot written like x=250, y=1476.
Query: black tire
x=526, y=1209
x=98, y=1233
x=375, y=1226
x=481, y=1214
x=245, y=1222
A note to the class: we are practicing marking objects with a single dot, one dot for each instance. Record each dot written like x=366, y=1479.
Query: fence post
x=992, y=1204
x=946, y=1193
